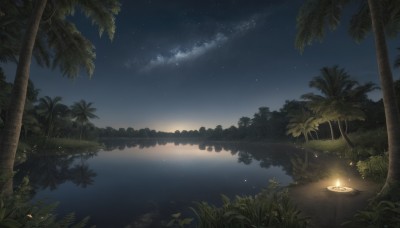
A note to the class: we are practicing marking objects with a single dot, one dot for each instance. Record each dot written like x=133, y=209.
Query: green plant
x=178, y=221
x=17, y=211
x=270, y=208
x=381, y=214
x=359, y=153
x=375, y=168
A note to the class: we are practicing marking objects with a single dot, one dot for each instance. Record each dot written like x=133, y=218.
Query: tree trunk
x=316, y=135
x=305, y=136
x=389, y=100
x=346, y=126
x=80, y=135
x=331, y=128
x=312, y=137
x=12, y=128
x=344, y=135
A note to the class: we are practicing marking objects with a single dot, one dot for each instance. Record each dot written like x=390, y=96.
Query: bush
x=270, y=208
x=17, y=211
x=382, y=214
x=359, y=153
x=374, y=139
x=375, y=168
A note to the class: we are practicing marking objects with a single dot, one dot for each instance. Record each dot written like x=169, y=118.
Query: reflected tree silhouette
x=202, y=146
x=50, y=171
x=266, y=163
x=82, y=175
x=244, y=157
x=294, y=161
x=217, y=148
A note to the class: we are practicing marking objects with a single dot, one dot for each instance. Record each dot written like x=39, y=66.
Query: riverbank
x=330, y=210
x=55, y=145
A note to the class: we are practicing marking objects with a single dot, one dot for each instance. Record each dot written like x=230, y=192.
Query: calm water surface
x=140, y=184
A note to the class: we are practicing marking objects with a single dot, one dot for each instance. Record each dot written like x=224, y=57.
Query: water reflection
x=151, y=179
x=121, y=144
x=307, y=166
x=303, y=165
x=49, y=171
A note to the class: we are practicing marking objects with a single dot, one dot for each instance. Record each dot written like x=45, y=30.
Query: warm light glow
x=337, y=183
x=340, y=189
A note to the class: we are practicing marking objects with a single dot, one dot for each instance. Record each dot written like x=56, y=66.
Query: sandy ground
x=327, y=209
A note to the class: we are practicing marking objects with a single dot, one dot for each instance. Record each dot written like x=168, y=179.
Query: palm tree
x=340, y=98
x=48, y=27
x=380, y=17
x=49, y=108
x=302, y=123
x=82, y=112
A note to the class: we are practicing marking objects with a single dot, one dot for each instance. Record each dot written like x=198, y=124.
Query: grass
x=327, y=146
x=367, y=144
x=63, y=145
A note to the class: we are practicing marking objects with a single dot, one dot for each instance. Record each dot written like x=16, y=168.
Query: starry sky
x=183, y=64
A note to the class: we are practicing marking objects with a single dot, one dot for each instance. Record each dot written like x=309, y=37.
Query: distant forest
x=49, y=117
x=264, y=125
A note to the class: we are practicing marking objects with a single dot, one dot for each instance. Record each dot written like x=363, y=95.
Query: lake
x=141, y=183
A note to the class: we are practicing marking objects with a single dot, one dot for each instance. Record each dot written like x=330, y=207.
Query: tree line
x=48, y=116
x=340, y=107
x=46, y=32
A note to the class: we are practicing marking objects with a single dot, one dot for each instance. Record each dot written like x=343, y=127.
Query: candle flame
x=337, y=183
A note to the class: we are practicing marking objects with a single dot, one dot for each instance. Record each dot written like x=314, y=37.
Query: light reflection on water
x=143, y=182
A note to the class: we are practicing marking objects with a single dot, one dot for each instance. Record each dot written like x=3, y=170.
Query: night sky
x=181, y=64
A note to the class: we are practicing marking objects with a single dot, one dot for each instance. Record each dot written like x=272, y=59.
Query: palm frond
x=360, y=23
x=102, y=13
x=72, y=51
x=313, y=17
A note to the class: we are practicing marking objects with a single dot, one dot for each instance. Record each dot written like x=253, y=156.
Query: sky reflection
x=160, y=180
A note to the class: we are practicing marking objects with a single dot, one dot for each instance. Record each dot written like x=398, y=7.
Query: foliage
x=367, y=143
x=17, y=211
x=381, y=214
x=56, y=33
x=82, y=112
x=270, y=208
x=51, y=109
x=375, y=168
x=302, y=123
x=178, y=221
x=374, y=139
x=340, y=99
x=315, y=15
